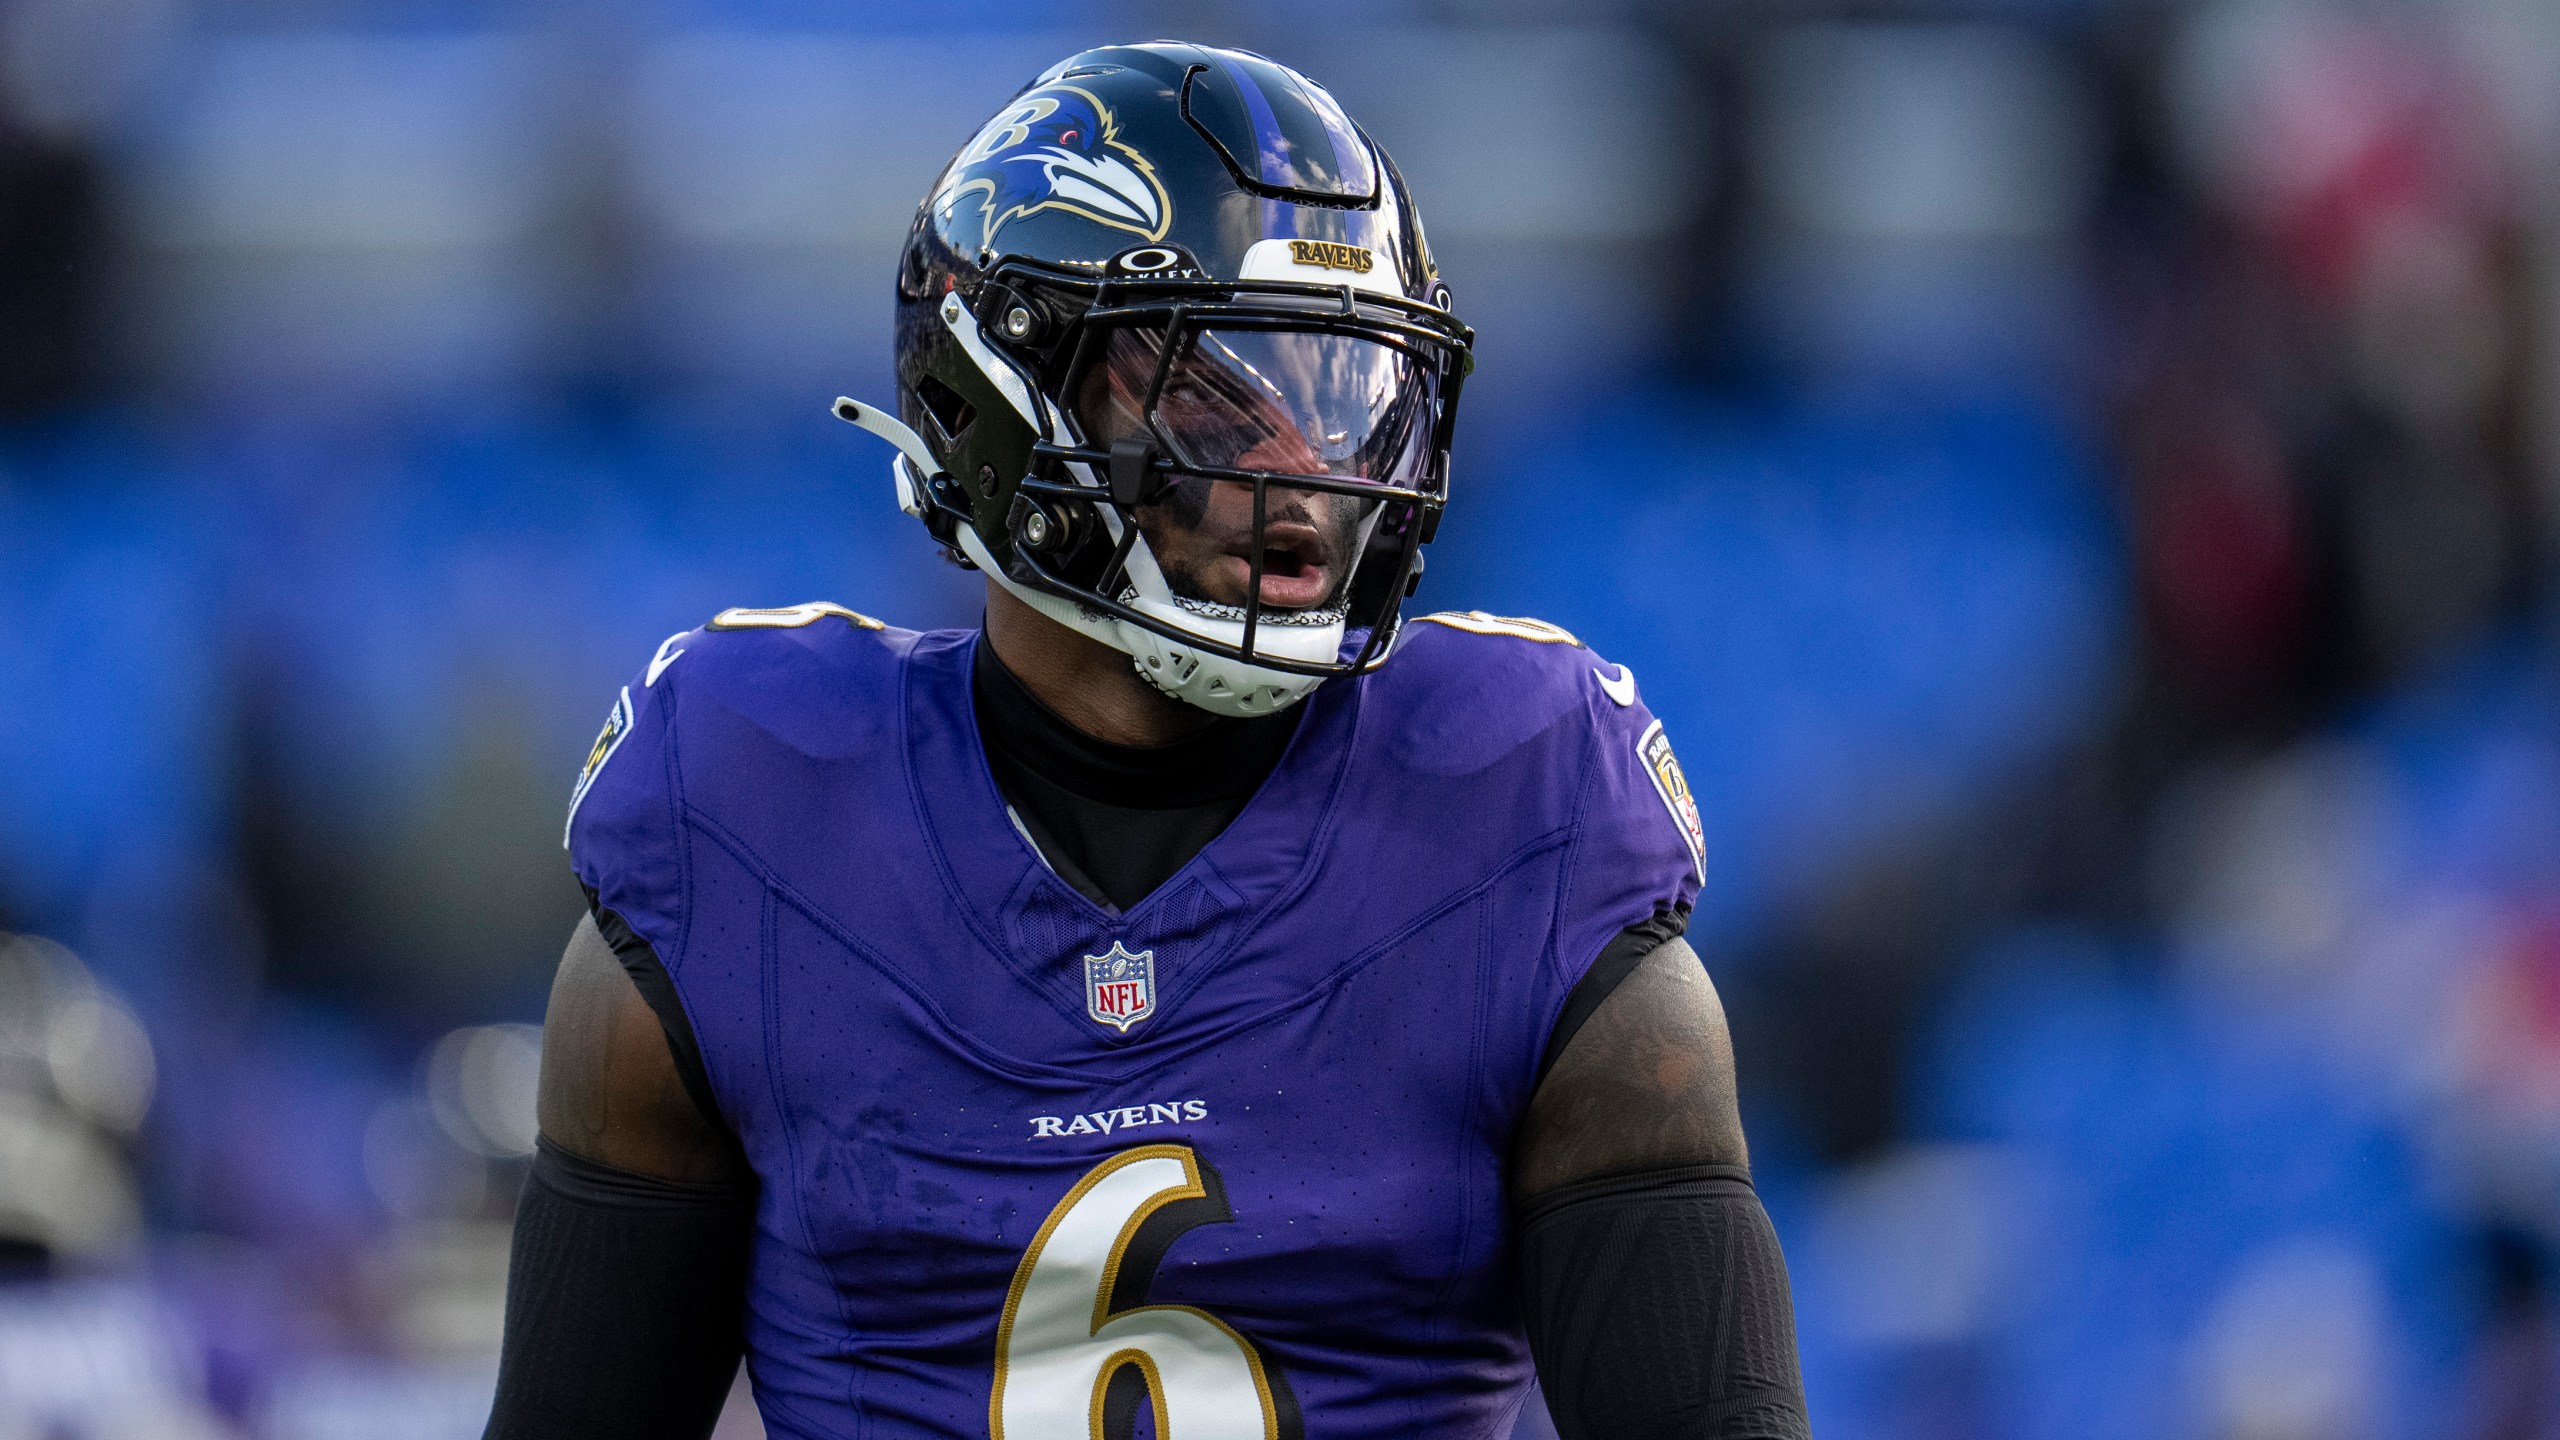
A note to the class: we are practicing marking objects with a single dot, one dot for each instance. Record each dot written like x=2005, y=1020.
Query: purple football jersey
x=1234, y=1159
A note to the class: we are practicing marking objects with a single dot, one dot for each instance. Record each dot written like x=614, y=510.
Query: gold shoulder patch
x=790, y=617
x=617, y=728
x=1654, y=749
x=1518, y=627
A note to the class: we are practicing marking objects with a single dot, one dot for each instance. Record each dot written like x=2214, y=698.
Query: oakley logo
x=1330, y=256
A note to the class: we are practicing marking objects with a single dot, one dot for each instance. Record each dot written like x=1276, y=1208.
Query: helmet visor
x=1277, y=402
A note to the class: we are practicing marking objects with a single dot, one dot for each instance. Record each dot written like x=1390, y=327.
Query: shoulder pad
x=1518, y=627
x=791, y=671
x=1459, y=706
x=1465, y=688
x=755, y=693
x=790, y=617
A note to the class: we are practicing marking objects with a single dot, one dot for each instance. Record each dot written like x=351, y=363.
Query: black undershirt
x=1116, y=821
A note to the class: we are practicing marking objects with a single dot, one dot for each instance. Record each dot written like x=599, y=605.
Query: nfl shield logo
x=1120, y=988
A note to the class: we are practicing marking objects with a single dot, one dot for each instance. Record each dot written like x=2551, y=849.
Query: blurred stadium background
x=2078, y=479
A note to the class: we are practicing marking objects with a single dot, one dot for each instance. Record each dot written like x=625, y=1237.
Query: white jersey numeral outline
x=1060, y=1343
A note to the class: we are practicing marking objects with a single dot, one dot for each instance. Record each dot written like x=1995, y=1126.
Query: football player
x=1195, y=1003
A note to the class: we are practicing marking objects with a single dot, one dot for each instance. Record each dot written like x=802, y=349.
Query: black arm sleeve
x=625, y=1304
x=1657, y=1309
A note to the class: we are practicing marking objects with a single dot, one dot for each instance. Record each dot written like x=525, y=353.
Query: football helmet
x=1175, y=367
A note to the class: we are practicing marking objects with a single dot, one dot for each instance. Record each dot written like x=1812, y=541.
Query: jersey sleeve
x=623, y=837
x=1487, y=695
x=1638, y=847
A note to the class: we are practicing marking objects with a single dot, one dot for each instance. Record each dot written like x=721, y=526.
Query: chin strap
x=1210, y=682
x=920, y=469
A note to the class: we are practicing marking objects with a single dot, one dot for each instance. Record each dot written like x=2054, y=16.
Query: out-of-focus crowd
x=2077, y=479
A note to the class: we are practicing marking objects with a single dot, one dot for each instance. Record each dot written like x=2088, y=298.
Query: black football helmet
x=1176, y=368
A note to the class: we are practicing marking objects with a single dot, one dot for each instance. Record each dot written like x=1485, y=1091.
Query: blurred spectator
x=2324, y=415
x=86, y=1349
x=52, y=254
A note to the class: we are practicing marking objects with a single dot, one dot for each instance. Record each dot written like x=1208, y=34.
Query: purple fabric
x=1353, y=986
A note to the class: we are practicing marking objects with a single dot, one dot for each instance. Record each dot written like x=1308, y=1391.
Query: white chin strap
x=1189, y=674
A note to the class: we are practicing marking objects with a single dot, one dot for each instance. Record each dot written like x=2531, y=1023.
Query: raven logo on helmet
x=1057, y=148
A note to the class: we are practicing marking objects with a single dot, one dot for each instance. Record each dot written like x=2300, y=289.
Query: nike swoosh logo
x=1622, y=689
x=666, y=657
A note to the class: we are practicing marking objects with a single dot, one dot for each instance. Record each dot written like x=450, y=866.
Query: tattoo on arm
x=610, y=1089
x=1646, y=1083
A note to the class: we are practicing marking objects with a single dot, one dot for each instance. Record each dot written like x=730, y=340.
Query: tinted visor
x=1278, y=402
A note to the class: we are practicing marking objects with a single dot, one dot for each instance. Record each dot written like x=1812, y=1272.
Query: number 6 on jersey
x=1077, y=1348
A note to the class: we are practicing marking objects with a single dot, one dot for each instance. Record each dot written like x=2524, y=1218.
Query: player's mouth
x=1297, y=566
